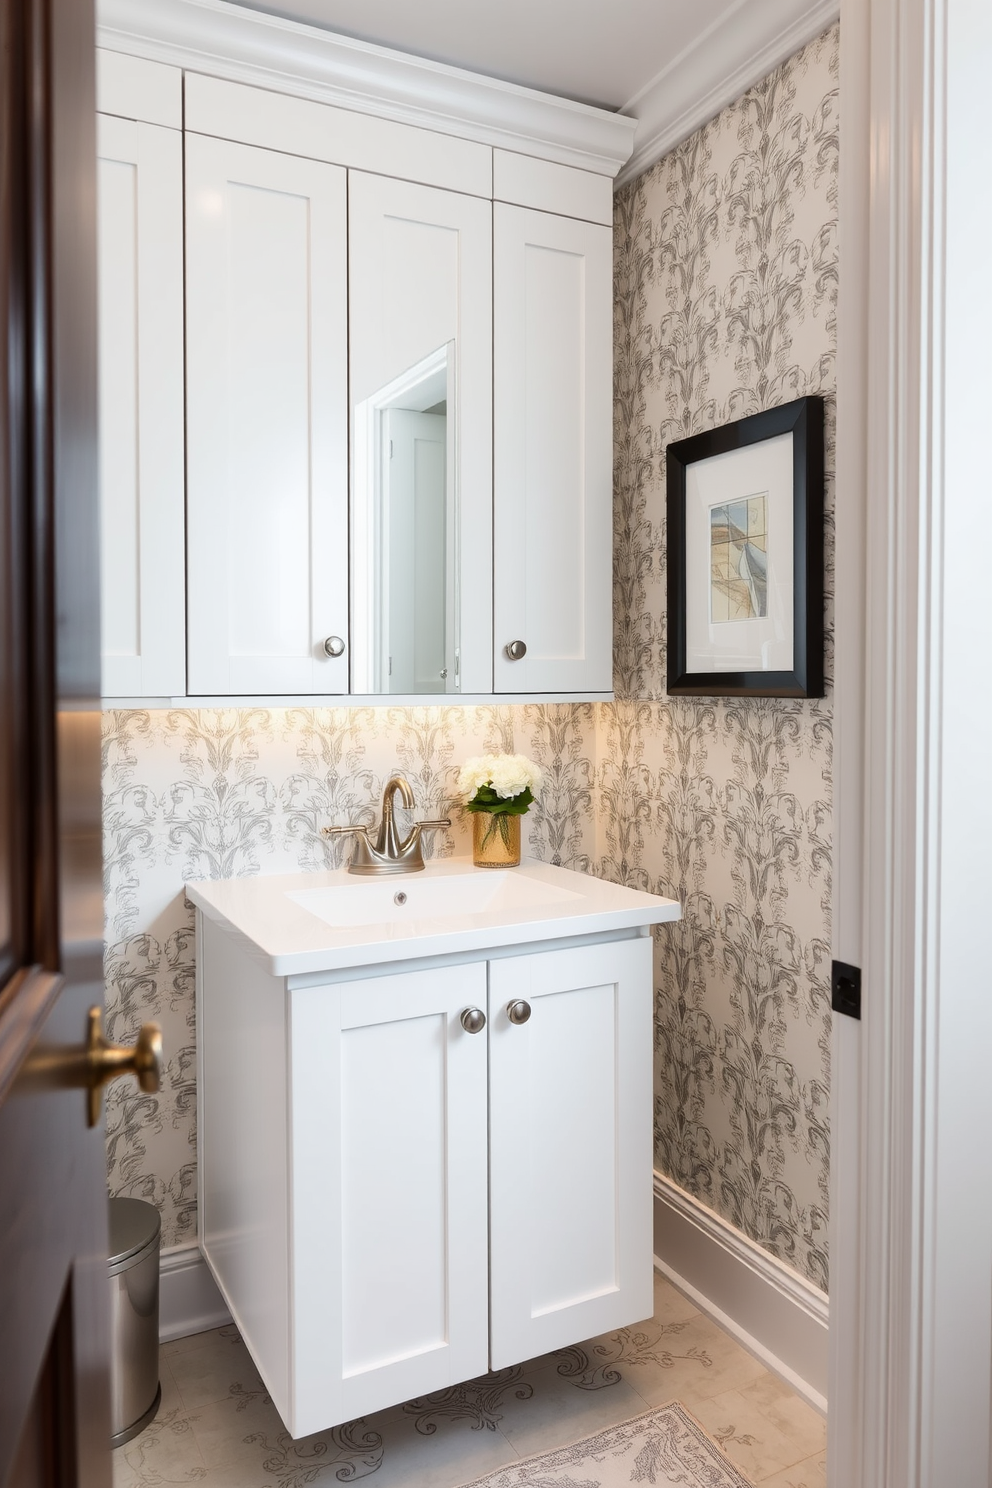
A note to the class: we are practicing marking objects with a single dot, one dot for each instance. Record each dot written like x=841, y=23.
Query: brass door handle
x=105, y=1061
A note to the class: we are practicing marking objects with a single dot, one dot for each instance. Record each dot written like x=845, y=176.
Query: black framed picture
x=745, y=557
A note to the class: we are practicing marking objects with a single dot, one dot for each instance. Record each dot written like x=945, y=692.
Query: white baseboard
x=189, y=1301
x=769, y=1308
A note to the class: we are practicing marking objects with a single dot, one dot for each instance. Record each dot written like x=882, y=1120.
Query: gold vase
x=495, y=839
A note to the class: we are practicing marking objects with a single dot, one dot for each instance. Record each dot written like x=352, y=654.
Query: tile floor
x=218, y=1429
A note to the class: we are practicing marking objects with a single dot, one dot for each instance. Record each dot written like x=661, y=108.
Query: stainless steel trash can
x=135, y=1392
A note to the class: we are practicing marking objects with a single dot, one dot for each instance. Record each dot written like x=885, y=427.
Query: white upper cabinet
x=267, y=443
x=553, y=452
x=420, y=290
x=395, y=472
x=140, y=267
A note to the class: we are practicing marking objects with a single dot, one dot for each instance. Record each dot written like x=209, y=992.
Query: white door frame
x=911, y=1200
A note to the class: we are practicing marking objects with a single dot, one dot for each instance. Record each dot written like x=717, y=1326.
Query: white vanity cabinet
x=266, y=429
x=364, y=1157
x=140, y=282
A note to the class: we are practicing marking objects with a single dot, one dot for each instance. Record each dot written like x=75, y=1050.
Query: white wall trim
x=189, y=1301
x=268, y=51
x=743, y=47
x=845, y=1385
x=924, y=1232
x=769, y=1308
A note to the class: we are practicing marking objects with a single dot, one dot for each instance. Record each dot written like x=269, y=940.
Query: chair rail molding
x=742, y=46
x=914, y=1306
x=249, y=46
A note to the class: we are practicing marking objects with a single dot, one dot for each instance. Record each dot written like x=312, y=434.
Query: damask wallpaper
x=215, y=793
x=726, y=282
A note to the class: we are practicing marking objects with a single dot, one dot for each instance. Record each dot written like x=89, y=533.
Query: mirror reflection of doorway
x=413, y=527
x=404, y=534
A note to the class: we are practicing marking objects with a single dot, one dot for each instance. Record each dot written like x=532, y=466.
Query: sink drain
x=399, y=898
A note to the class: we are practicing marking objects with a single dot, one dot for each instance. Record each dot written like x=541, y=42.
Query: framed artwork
x=745, y=557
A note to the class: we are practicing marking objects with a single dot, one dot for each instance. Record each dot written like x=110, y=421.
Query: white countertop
x=285, y=919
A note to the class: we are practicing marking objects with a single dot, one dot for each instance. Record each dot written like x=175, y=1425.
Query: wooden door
x=570, y=1133
x=389, y=1192
x=142, y=449
x=54, y=1401
x=266, y=410
x=552, y=452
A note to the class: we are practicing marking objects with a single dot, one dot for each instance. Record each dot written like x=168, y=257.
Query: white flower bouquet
x=497, y=788
x=502, y=784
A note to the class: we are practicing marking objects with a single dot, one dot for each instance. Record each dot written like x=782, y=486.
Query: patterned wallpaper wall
x=217, y=793
x=726, y=281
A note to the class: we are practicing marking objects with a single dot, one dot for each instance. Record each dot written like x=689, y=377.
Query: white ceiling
x=604, y=52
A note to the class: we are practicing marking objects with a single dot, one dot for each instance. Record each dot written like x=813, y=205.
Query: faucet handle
x=426, y=826
x=340, y=831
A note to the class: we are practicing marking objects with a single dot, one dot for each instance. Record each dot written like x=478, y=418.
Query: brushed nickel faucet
x=387, y=854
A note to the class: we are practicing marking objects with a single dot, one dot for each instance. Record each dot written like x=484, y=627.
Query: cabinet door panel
x=389, y=1176
x=420, y=281
x=267, y=436
x=140, y=265
x=552, y=452
x=570, y=1147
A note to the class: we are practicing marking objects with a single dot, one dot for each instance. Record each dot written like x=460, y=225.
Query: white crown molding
x=745, y=46
x=249, y=46
x=773, y=1311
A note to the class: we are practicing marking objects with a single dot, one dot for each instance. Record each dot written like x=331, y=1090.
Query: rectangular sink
x=405, y=898
x=301, y=923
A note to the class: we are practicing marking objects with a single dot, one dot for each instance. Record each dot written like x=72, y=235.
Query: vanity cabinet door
x=267, y=443
x=570, y=1146
x=390, y=1293
x=140, y=267
x=552, y=452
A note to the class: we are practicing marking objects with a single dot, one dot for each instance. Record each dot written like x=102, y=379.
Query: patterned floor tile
x=190, y=1341
x=803, y=1426
x=689, y=1361
x=210, y=1373
x=670, y=1305
x=431, y=1451
x=217, y=1427
x=809, y=1474
x=165, y=1453
x=557, y=1413
x=754, y=1441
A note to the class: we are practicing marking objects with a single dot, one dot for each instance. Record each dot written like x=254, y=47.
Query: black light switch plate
x=845, y=989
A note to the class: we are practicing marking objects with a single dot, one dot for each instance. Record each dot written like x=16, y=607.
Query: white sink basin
x=301, y=923
x=399, y=900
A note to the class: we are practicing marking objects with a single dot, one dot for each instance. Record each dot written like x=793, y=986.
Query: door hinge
x=845, y=989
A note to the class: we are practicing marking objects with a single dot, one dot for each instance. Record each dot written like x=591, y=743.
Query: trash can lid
x=134, y=1224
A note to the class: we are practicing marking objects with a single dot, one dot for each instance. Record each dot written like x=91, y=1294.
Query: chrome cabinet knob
x=334, y=646
x=518, y=1012
x=473, y=1020
x=516, y=650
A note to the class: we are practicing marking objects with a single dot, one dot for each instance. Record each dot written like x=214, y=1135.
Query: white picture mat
x=764, y=644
